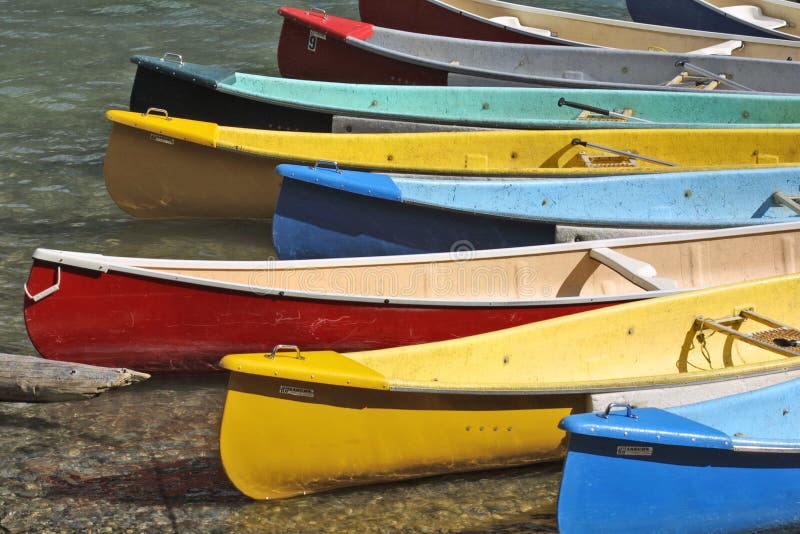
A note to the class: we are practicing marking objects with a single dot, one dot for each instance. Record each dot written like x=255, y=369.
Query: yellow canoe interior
x=300, y=422
x=158, y=166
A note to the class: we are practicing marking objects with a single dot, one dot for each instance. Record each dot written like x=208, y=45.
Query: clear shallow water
x=145, y=458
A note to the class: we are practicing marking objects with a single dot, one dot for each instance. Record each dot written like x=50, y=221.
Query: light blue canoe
x=213, y=94
x=328, y=212
x=725, y=465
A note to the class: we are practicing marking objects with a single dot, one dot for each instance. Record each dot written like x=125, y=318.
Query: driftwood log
x=34, y=379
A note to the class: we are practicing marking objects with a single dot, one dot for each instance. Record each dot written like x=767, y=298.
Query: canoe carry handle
x=326, y=163
x=318, y=11
x=46, y=292
x=628, y=410
x=578, y=141
x=173, y=57
x=721, y=79
x=281, y=348
x=157, y=111
x=607, y=112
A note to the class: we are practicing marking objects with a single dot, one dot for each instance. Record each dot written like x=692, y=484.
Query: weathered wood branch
x=34, y=379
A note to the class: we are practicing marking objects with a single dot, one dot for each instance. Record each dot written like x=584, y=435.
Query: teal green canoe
x=232, y=98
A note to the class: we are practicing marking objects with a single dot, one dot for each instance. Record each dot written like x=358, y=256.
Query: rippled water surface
x=145, y=457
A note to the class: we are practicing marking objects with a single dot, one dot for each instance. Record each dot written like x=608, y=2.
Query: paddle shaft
x=601, y=111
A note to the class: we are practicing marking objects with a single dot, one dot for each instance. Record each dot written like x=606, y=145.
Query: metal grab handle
x=173, y=57
x=577, y=141
x=712, y=75
x=47, y=292
x=157, y=111
x=628, y=410
x=333, y=165
x=279, y=348
x=607, y=112
x=318, y=11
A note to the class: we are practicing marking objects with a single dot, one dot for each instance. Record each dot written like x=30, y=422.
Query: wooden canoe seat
x=607, y=160
x=778, y=338
x=754, y=15
x=639, y=272
x=513, y=22
x=788, y=201
x=586, y=115
x=698, y=82
x=724, y=48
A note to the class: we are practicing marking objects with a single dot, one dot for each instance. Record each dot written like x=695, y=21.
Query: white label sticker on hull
x=623, y=450
x=297, y=392
x=313, y=37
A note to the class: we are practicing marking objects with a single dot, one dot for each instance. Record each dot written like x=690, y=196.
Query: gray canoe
x=412, y=57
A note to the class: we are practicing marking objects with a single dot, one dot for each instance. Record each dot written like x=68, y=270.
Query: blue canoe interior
x=729, y=464
x=329, y=212
x=705, y=16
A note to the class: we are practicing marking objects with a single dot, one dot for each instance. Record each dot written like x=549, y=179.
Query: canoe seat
x=779, y=338
x=591, y=116
x=788, y=201
x=724, y=48
x=754, y=15
x=685, y=79
x=639, y=272
x=607, y=160
x=513, y=22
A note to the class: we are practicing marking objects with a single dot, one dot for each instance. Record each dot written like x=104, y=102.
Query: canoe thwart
x=779, y=338
x=754, y=15
x=639, y=272
x=725, y=48
x=788, y=201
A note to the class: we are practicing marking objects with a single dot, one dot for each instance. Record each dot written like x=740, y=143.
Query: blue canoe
x=325, y=212
x=776, y=19
x=725, y=465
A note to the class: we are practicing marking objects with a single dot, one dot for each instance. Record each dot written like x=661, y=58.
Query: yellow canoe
x=159, y=166
x=299, y=422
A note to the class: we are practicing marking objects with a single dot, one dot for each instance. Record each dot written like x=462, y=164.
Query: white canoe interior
x=611, y=269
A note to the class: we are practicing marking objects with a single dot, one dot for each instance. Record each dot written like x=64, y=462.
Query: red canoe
x=183, y=315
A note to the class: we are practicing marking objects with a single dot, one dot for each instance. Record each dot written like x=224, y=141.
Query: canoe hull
x=160, y=326
x=602, y=492
x=195, y=100
x=333, y=437
x=332, y=59
x=317, y=222
x=148, y=175
x=282, y=437
x=421, y=16
x=325, y=213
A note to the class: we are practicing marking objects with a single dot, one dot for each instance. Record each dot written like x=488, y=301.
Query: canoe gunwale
x=366, y=299
x=620, y=385
x=147, y=267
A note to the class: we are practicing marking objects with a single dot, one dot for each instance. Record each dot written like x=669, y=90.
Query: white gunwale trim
x=586, y=388
x=145, y=268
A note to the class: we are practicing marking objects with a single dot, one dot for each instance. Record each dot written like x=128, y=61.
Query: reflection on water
x=145, y=458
